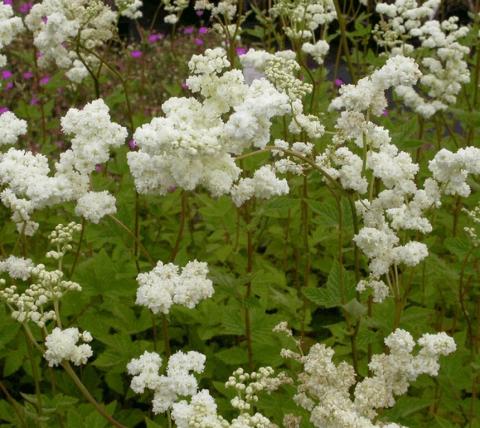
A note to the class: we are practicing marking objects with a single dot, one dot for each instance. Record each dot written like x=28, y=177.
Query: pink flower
x=59, y=144
x=10, y=2
x=9, y=85
x=188, y=30
x=153, y=38
x=132, y=144
x=25, y=7
x=34, y=101
x=385, y=112
x=6, y=74
x=199, y=12
x=241, y=51
x=27, y=75
x=184, y=86
x=3, y=110
x=44, y=80
x=203, y=30
x=198, y=42
x=44, y=19
x=99, y=167
x=338, y=82
x=136, y=54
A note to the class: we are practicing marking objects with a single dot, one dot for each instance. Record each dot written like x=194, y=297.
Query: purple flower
x=6, y=74
x=99, y=167
x=44, y=80
x=152, y=38
x=241, y=51
x=199, y=12
x=198, y=42
x=385, y=112
x=188, y=30
x=338, y=82
x=136, y=54
x=34, y=101
x=184, y=86
x=132, y=144
x=25, y=7
x=9, y=85
x=9, y=2
x=3, y=110
x=203, y=30
x=44, y=19
x=27, y=75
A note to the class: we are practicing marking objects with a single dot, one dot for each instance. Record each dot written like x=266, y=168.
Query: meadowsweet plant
x=239, y=214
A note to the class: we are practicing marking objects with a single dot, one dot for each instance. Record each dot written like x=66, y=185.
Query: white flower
x=318, y=51
x=17, y=267
x=62, y=345
x=11, y=128
x=10, y=27
x=93, y=206
x=160, y=288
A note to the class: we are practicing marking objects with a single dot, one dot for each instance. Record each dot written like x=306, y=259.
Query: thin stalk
x=86, y=393
x=344, y=41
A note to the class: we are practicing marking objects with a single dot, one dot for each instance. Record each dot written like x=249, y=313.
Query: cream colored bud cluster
x=31, y=305
x=471, y=231
x=62, y=238
x=248, y=385
x=281, y=72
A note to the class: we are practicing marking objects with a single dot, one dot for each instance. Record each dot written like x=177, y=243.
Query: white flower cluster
x=202, y=409
x=29, y=184
x=193, y=144
x=62, y=29
x=164, y=286
x=93, y=206
x=62, y=345
x=223, y=8
x=369, y=93
x=46, y=288
x=263, y=185
x=130, y=8
x=318, y=50
x=303, y=17
x=16, y=267
x=174, y=9
x=400, y=205
x=452, y=169
x=324, y=388
x=10, y=27
x=443, y=58
x=169, y=388
x=11, y=128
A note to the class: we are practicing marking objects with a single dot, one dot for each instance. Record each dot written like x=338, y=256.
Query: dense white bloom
x=318, y=51
x=11, y=128
x=193, y=144
x=93, y=134
x=324, y=388
x=178, y=381
x=379, y=289
x=10, y=27
x=30, y=184
x=16, y=267
x=303, y=17
x=160, y=288
x=369, y=93
x=95, y=205
x=130, y=8
x=59, y=25
x=62, y=345
x=263, y=185
x=442, y=57
x=451, y=169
